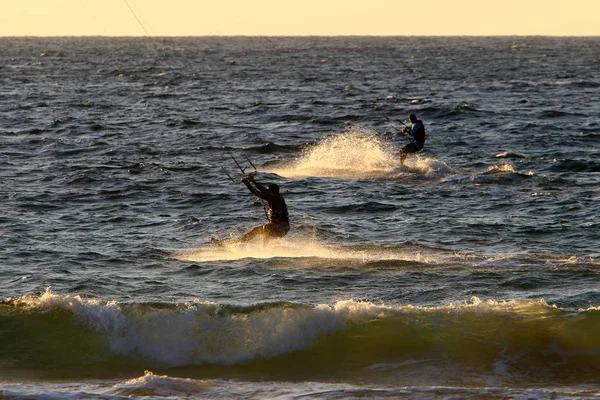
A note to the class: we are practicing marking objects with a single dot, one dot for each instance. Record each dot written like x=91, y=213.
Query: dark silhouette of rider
x=276, y=210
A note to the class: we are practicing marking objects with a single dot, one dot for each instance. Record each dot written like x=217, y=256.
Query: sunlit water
x=469, y=272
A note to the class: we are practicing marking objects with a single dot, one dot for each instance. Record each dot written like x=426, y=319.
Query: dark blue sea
x=471, y=272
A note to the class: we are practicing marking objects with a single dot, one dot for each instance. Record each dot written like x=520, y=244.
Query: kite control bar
x=242, y=169
x=398, y=129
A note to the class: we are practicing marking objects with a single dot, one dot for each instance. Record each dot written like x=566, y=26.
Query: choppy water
x=473, y=272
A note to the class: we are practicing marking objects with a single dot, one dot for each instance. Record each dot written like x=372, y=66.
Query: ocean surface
x=472, y=272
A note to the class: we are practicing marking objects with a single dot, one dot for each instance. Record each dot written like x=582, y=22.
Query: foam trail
x=353, y=154
x=294, y=247
x=357, y=154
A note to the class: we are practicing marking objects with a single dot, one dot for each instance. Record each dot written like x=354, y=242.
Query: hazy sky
x=299, y=17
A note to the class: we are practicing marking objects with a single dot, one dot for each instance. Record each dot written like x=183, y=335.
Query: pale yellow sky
x=299, y=17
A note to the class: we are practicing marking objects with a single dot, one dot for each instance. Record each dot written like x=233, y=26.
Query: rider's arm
x=248, y=182
x=261, y=187
x=258, y=189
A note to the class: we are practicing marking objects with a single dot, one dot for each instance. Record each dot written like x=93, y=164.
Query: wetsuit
x=279, y=221
x=417, y=131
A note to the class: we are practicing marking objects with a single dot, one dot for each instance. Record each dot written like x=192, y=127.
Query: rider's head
x=412, y=118
x=273, y=188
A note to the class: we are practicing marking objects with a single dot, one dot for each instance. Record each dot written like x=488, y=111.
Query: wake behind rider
x=417, y=132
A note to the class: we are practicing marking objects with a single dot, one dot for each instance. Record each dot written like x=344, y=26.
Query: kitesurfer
x=276, y=210
x=417, y=135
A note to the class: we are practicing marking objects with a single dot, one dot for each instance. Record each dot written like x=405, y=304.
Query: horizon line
x=300, y=36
